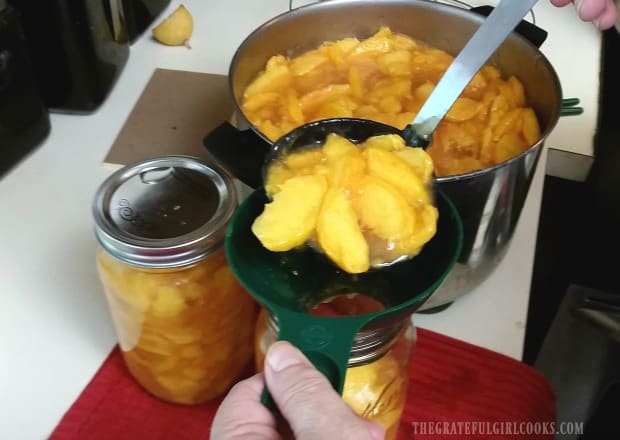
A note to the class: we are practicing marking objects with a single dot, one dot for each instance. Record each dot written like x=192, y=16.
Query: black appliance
x=140, y=14
x=24, y=120
x=78, y=48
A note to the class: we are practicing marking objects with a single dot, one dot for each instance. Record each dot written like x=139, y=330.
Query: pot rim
x=467, y=14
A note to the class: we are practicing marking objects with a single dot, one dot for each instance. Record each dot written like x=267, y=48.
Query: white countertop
x=55, y=330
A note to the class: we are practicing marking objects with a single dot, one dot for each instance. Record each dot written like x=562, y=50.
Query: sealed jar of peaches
x=376, y=380
x=184, y=324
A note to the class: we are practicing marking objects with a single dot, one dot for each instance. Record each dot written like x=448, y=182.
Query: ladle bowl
x=291, y=283
x=314, y=134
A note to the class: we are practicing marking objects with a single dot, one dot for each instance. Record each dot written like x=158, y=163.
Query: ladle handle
x=326, y=342
x=493, y=31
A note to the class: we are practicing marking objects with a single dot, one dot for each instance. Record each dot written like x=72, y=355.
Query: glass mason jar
x=376, y=381
x=184, y=324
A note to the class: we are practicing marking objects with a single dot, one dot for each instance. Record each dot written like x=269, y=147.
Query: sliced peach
x=419, y=160
x=289, y=220
x=339, y=234
x=398, y=173
x=383, y=210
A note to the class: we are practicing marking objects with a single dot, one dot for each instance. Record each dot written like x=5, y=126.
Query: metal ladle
x=291, y=283
x=476, y=52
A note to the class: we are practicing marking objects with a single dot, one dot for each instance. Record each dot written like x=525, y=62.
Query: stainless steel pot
x=490, y=200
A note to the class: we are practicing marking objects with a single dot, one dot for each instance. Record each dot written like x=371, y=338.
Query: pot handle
x=241, y=152
x=529, y=31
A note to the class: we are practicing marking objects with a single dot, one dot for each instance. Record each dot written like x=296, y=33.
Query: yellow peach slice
x=388, y=142
x=419, y=160
x=531, y=129
x=289, y=220
x=398, y=173
x=463, y=109
x=383, y=210
x=339, y=234
x=425, y=229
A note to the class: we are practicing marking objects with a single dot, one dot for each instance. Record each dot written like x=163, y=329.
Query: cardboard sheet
x=174, y=113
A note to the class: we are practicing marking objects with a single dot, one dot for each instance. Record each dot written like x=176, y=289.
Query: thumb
x=307, y=400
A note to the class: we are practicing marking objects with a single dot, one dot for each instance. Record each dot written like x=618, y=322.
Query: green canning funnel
x=291, y=283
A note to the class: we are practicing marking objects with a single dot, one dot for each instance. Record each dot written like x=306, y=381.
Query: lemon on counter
x=176, y=29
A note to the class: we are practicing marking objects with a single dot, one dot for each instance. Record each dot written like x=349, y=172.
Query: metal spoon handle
x=493, y=31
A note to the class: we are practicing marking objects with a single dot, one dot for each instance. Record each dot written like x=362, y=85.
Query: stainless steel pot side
x=490, y=200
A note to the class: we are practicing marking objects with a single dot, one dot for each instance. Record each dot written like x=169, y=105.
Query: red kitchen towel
x=457, y=391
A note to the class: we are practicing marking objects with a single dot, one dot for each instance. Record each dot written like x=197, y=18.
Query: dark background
x=578, y=244
x=579, y=231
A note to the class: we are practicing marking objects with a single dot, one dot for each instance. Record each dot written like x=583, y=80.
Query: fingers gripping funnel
x=290, y=283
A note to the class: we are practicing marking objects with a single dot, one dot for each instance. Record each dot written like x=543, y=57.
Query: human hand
x=603, y=13
x=305, y=398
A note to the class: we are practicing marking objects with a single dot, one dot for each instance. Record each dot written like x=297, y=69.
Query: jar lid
x=163, y=212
